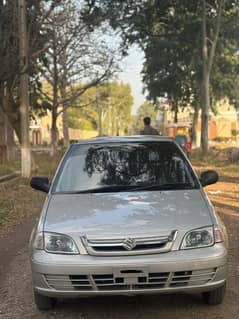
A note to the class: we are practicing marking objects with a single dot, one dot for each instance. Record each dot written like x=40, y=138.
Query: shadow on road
x=125, y=307
x=229, y=179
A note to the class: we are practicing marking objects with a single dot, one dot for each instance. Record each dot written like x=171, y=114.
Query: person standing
x=148, y=129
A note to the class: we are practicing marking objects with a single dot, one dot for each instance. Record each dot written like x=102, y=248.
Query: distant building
x=223, y=126
x=40, y=131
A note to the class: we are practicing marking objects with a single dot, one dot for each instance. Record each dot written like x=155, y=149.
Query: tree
x=119, y=104
x=22, y=37
x=183, y=42
x=208, y=55
x=77, y=59
x=106, y=108
x=24, y=94
x=166, y=32
x=11, y=68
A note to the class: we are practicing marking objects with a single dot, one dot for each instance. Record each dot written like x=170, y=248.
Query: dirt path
x=24, y=205
x=16, y=300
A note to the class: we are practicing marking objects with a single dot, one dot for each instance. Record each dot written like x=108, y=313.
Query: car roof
x=125, y=139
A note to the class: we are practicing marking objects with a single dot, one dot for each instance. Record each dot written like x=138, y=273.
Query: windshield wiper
x=166, y=186
x=103, y=189
x=132, y=188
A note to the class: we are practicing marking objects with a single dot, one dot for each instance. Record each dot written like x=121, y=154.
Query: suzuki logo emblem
x=129, y=243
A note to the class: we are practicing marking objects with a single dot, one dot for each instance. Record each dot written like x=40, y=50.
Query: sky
x=131, y=67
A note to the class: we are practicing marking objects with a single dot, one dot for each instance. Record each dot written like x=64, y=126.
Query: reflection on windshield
x=131, y=165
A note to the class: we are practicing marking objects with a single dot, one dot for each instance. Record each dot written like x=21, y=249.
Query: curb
x=8, y=177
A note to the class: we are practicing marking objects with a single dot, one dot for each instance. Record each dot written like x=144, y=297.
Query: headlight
x=55, y=243
x=197, y=238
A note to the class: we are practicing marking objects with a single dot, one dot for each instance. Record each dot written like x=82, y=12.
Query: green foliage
x=222, y=139
x=10, y=70
x=84, y=114
x=235, y=132
x=170, y=34
x=76, y=121
x=117, y=108
x=73, y=121
x=115, y=101
x=165, y=30
x=168, y=50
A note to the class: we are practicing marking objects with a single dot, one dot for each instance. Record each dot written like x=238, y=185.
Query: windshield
x=124, y=167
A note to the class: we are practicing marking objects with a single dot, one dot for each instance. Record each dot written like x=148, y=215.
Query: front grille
x=129, y=280
x=72, y=282
x=192, y=278
x=129, y=246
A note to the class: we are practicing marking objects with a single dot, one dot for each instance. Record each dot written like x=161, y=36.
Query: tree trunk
x=24, y=94
x=194, y=125
x=100, y=113
x=7, y=138
x=11, y=147
x=175, y=109
x=205, y=113
x=66, y=139
x=165, y=120
x=205, y=100
x=65, y=128
x=113, y=121
x=10, y=109
x=55, y=103
x=207, y=59
x=109, y=117
x=54, y=133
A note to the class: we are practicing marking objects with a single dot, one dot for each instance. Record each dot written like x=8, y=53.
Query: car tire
x=214, y=297
x=43, y=302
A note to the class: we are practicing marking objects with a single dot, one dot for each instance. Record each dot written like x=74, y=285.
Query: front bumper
x=195, y=270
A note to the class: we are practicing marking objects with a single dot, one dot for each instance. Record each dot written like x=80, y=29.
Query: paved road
x=16, y=301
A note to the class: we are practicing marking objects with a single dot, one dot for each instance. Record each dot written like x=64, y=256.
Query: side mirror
x=40, y=183
x=208, y=177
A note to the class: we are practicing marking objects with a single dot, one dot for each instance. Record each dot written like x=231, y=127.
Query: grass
x=9, y=167
x=5, y=211
x=198, y=159
x=17, y=200
x=215, y=159
x=43, y=164
x=231, y=169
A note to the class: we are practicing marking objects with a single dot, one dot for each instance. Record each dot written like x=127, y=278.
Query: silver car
x=127, y=216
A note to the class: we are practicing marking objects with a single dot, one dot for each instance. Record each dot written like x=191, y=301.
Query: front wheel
x=43, y=302
x=214, y=297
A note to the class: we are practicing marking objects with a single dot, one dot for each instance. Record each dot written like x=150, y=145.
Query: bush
x=235, y=132
x=222, y=139
x=60, y=142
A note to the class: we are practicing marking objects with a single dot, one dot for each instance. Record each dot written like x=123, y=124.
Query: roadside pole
x=24, y=94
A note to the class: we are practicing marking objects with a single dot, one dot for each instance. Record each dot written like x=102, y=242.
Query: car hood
x=126, y=213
